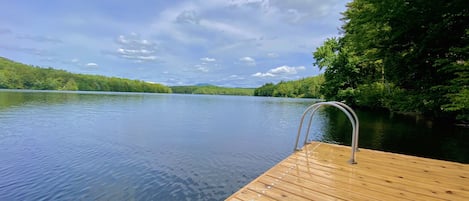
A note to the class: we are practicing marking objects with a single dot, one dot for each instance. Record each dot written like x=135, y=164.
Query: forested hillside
x=303, y=88
x=402, y=55
x=15, y=75
x=212, y=90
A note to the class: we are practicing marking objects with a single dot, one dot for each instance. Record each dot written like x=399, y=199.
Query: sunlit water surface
x=130, y=146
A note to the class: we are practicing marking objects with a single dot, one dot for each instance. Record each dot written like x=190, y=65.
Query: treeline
x=212, y=90
x=303, y=88
x=401, y=55
x=15, y=75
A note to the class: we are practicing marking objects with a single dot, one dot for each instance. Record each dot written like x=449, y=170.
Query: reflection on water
x=131, y=146
x=124, y=146
x=401, y=134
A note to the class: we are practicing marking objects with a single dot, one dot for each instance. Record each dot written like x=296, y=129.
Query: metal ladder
x=344, y=108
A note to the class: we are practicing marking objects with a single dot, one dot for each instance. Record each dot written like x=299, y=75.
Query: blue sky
x=235, y=43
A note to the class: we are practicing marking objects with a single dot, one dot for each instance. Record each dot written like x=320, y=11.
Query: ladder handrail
x=357, y=123
x=314, y=107
x=344, y=108
x=350, y=110
x=309, y=124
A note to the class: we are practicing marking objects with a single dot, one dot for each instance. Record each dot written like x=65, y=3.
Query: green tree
x=303, y=88
x=265, y=90
x=15, y=75
x=408, y=53
x=71, y=85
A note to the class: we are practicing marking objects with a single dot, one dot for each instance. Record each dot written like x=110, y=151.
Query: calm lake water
x=131, y=146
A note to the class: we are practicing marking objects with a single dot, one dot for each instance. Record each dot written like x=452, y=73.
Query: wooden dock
x=321, y=172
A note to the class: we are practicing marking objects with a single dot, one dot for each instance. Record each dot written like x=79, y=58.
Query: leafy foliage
x=401, y=55
x=15, y=75
x=212, y=90
x=303, y=88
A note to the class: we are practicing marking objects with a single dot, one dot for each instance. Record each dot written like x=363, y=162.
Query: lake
x=134, y=146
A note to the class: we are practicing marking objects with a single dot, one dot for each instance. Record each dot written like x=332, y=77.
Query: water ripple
x=136, y=147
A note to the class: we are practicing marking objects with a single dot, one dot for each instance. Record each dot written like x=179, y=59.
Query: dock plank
x=320, y=172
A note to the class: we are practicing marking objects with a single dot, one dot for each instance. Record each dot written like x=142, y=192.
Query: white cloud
x=133, y=47
x=272, y=55
x=302, y=10
x=259, y=74
x=188, y=17
x=201, y=68
x=291, y=11
x=280, y=71
x=286, y=70
x=294, y=16
x=75, y=60
x=235, y=77
x=248, y=61
x=207, y=59
x=171, y=24
x=244, y=2
x=92, y=65
x=173, y=36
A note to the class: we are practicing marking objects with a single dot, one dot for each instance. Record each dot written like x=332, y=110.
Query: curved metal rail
x=357, y=123
x=351, y=115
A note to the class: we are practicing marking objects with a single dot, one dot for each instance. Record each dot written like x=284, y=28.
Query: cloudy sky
x=235, y=43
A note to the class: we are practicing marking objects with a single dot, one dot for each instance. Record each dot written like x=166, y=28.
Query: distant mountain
x=204, y=84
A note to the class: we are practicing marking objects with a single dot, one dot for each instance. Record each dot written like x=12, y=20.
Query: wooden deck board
x=320, y=172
